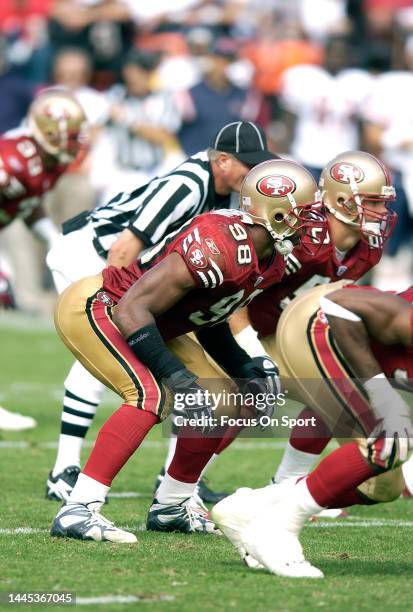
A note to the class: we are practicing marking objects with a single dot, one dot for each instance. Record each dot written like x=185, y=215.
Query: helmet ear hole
x=340, y=201
x=279, y=216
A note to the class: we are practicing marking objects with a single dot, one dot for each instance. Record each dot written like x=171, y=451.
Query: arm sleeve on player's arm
x=150, y=348
x=171, y=202
x=219, y=342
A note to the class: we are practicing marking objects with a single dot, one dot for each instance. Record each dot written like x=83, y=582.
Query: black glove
x=261, y=377
x=191, y=399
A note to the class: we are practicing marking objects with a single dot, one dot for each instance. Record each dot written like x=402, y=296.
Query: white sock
x=172, y=492
x=68, y=453
x=407, y=469
x=305, y=499
x=208, y=465
x=298, y=507
x=171, y=451
x=294, y=463
x=87, y=490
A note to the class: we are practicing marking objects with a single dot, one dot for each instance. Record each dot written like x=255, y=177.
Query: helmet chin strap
x=338, y=215
x=284, y=247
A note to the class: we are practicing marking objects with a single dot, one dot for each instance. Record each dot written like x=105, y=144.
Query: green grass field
x=367, y=558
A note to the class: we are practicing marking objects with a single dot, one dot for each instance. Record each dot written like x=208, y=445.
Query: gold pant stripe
x=105, y=339
x=342, y=385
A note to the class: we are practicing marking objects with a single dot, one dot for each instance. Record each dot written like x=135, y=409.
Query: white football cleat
x=232, y=515
x=13, y=421
x=84, y=522
x=256, y=523
x=277, y=549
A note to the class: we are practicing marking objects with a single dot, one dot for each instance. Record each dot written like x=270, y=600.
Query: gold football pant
x=315, y=374
x=83, y=319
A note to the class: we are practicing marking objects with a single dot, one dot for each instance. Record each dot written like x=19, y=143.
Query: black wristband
x=219, y=342
x=150, y=348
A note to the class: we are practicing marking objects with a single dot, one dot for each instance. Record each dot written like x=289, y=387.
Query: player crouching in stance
x=348, y=350
x=116, y=324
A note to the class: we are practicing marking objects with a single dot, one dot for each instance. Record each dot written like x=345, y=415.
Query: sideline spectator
x=213, y=101
x=324, y=103
x=72, y=70
x=104, y=28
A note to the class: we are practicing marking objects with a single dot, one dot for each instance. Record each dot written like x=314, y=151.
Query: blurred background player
x=117, y=232
x=31, y=161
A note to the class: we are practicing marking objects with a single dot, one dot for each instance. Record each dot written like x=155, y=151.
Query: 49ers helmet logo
x=276, y=186
x=55, y=111
x=342, y=172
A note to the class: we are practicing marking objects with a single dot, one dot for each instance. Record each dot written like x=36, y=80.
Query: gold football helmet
x=283, y=197
x=351, y=186
x=58, y=124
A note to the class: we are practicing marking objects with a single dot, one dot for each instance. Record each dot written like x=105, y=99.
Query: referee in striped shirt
x=115, y=234
x=203, y=182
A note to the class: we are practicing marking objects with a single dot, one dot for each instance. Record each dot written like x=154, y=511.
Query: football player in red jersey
x=34, y=157
x=31, y=161
x=356, y=345
x=355, y=189
x=116, y=324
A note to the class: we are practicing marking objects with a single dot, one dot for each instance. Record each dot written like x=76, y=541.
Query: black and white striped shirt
x=159, y=207
x=158, y=109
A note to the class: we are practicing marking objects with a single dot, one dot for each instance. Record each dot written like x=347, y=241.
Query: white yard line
x=332, y=524
x=367, y=522
x=122, y=599
x=22, y=531
x=242, y=446
x=127, y=494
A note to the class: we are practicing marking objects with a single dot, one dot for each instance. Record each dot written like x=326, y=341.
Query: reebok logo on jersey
x=212, y=246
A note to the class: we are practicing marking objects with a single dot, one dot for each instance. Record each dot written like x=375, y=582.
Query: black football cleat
x=207, y=495
x=202, y=490
x=60, y=487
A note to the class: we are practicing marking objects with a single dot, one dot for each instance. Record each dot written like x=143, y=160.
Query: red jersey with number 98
x=304, y=271
x=219, y=254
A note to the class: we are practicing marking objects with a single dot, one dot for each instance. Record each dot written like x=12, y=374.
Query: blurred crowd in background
x=158, y=79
